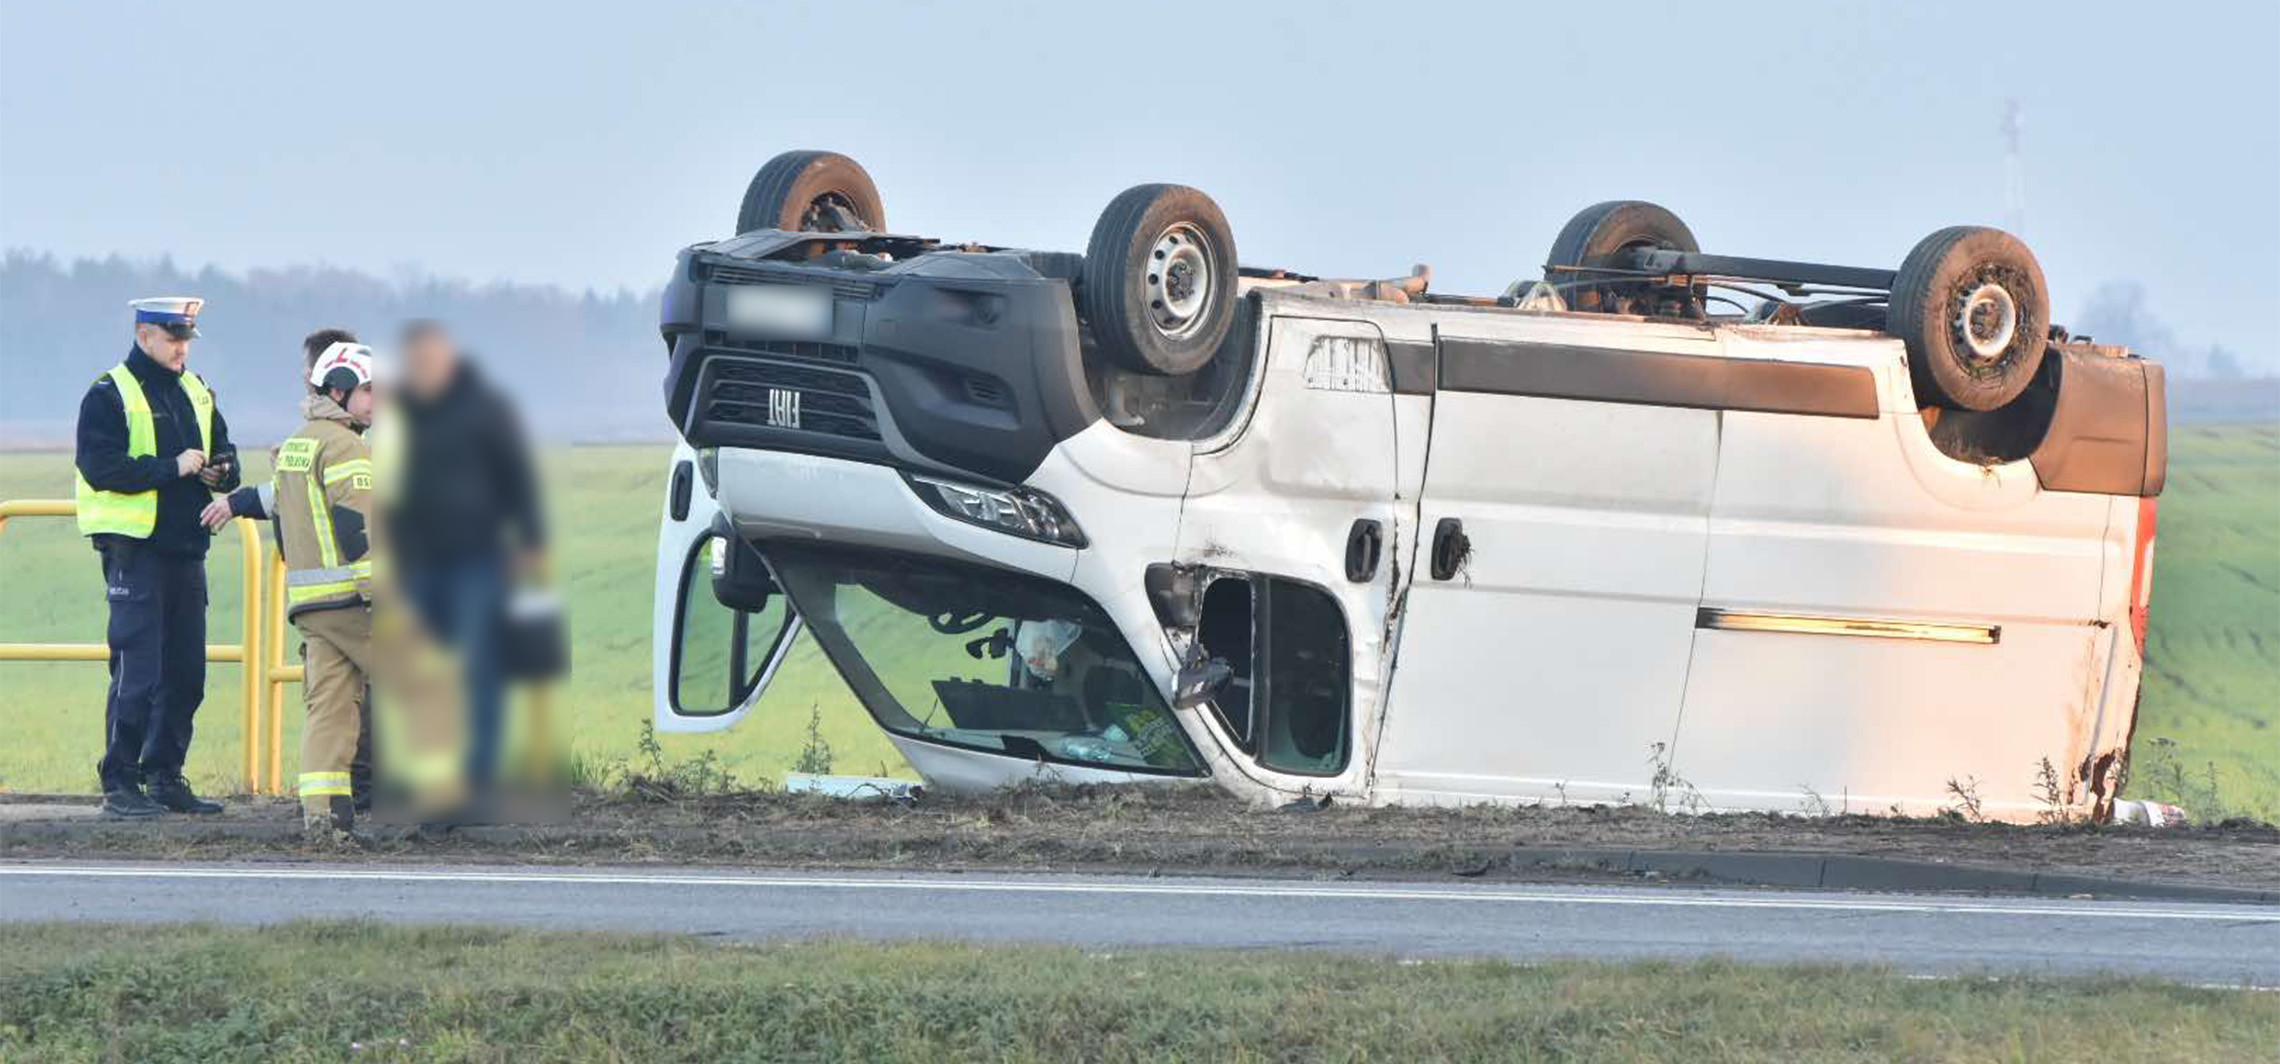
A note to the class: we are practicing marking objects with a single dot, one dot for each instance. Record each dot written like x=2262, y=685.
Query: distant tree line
x=585, y=366
x=2120, y=312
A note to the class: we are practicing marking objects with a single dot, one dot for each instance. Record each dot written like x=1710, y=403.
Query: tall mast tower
x=2014, y=170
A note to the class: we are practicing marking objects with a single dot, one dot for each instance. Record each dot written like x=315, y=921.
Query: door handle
x=1365, y=544
x=1451, y=548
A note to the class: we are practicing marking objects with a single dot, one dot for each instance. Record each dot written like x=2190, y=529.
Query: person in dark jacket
x=463, y=521
x=152, y=449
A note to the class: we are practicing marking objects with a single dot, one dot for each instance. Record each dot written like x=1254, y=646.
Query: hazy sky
x=581, y=144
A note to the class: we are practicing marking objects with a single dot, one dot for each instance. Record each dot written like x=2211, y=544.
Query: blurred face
x=359, y=405
x=429, y=363
x=162, y=346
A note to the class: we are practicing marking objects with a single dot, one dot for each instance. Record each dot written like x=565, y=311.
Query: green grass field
x=605, y=503
x=2209, y=727
x=2209, y=734
x=311, y=992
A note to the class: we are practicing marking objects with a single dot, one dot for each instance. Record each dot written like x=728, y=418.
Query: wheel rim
x=1180, y=284
x=1987, y=320
x=831, y=212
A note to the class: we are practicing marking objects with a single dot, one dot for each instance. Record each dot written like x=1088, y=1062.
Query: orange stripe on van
x=2141, y=574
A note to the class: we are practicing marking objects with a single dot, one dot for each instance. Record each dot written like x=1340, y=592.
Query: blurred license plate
x=792, y=311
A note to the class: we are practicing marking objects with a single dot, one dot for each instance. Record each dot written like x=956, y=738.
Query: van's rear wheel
x=1970, y=304
x=1599, y=235
x=812, y=191
x=1158, y=285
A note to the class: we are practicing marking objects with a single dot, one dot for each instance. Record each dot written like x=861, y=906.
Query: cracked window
x=983, y=658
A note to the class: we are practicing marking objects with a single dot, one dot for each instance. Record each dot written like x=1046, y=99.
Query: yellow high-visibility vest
x=136, y=513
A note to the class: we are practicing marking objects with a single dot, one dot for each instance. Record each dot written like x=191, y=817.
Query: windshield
x=983, y=658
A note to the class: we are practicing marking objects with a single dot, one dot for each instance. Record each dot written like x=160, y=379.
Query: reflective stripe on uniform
x=337, y=473
x=309, y=577
x=320, y=515
x=308, y=585
x=324, y=784
x=136, y=513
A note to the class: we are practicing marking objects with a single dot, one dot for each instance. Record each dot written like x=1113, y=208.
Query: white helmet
x=343, y=367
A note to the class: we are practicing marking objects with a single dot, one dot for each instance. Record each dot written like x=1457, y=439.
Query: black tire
x=1972, y=308
x=1148, y=316
x=1597, y=235
x=812, y=191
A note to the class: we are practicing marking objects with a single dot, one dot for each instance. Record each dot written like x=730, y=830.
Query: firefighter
x=322, y=500
x=256, y=502
x=152, y=449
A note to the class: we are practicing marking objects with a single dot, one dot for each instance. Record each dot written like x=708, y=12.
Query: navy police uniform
x=141, y=514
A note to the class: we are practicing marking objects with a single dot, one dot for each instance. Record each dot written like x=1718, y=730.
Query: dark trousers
x=360, y=767
x=158, y=662
x=464, y=602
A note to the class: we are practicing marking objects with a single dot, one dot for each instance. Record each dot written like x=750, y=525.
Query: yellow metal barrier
x=246, y=651
x=276, y=674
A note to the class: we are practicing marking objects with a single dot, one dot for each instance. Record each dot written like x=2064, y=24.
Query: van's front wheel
x=1158, y=285
x=812, y=191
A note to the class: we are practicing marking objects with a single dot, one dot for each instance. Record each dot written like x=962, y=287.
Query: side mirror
x=1198, y=681
x=740, y=580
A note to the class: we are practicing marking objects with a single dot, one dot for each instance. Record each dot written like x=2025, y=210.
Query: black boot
x=173, y=792
x=126, y=801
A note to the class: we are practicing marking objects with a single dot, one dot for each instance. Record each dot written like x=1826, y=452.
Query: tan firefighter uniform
x=323, y=503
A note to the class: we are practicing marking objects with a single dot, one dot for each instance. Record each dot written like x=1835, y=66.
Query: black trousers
x=158, y=661
x=360, y=767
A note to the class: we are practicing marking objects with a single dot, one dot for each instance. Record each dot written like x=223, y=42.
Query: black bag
x=534, y=637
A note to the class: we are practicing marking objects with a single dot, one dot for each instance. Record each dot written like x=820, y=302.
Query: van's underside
x=1584, y=542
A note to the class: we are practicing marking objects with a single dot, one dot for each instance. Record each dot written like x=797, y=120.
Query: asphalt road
x=2230, y=944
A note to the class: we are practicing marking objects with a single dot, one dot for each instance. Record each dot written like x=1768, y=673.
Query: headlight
x=1016, y=511
x=708, y=466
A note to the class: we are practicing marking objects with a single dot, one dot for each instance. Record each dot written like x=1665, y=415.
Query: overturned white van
x=1875, y=538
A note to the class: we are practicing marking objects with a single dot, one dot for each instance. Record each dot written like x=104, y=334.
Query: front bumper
x=774, y=494
x=950, y=362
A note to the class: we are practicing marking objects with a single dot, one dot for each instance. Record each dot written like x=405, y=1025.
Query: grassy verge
x=677, y=816
x=363, y=992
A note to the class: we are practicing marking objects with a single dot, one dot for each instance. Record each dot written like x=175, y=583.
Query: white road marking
x=1644, y=896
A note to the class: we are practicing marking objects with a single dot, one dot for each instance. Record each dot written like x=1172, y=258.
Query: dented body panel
x=1473, y=554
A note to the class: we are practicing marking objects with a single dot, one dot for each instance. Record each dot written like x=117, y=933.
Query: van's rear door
x=1886, y=627
x=710, y=661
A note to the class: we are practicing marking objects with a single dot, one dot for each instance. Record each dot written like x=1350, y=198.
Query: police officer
x=152, y=449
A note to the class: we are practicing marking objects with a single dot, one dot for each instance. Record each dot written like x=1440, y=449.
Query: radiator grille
x=789, y=398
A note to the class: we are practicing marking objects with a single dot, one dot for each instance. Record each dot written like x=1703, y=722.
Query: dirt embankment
x=1137, y=830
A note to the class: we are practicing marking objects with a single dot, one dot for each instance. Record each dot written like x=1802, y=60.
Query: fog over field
x=325, y=167
x=587, y=364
